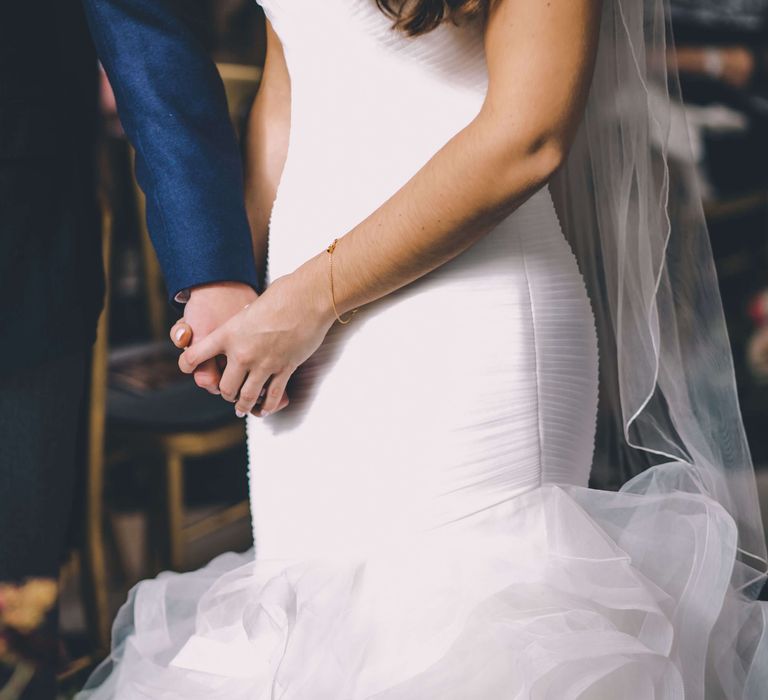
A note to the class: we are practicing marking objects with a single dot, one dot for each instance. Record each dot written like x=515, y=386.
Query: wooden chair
x=175, y=422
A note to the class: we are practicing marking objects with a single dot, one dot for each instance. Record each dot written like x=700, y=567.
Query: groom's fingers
x=181, y=334
x=202, y=350
x=207, y=376
x=231, y=381
x=275, y=393
x=250, y=393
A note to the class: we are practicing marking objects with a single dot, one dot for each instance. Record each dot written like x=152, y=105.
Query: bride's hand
x=181, y=336
x=264, y=344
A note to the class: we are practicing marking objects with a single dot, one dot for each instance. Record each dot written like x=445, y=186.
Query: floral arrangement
x=23, y=645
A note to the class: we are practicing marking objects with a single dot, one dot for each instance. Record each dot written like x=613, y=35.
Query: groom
x=173, y=108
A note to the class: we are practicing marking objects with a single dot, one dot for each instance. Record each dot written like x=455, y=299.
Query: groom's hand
x=209, y=306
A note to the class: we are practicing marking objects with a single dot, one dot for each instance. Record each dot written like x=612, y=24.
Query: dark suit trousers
x=40, y=411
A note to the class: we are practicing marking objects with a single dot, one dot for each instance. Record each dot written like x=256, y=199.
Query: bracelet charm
x=330, y=250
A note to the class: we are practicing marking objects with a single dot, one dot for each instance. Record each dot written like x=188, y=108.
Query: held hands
x=263, y=344
x=208, y=307
x=181, y=336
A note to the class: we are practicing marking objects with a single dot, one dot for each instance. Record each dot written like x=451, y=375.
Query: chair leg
x=95, y=573
x=174, y=485
x=95, y=595
x=116, y=550
x=94, y=560
x=156, y=521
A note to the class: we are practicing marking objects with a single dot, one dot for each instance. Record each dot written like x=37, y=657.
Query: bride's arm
x=267, y=145
x=540, y=57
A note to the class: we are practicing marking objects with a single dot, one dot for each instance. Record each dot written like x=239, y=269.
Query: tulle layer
x=561, y=593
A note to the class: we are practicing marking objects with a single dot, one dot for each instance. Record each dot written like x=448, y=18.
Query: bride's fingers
x=233, y=378
x=181, y=334
x=250, y=394
x=275, y=393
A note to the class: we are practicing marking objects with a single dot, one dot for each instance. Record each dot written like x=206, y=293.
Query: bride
x=471, y=202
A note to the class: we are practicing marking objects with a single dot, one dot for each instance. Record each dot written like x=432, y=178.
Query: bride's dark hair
x=416, y=17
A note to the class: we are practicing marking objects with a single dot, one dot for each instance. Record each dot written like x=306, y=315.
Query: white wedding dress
x=420, y=516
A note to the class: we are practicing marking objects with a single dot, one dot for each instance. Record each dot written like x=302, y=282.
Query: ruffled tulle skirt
x=563, y=592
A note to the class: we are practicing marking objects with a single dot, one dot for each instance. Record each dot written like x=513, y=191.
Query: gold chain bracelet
x=330, y=250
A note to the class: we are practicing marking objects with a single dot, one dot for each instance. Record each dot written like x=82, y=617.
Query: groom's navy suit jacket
x=173, y=108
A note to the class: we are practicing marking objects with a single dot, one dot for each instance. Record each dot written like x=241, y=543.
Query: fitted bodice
x=369, y=106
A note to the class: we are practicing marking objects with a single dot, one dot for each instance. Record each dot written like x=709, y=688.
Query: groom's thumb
x=181, y=334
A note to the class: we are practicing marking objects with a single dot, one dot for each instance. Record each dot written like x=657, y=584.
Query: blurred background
x=163, y=464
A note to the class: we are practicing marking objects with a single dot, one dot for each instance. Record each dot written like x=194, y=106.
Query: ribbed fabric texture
x=562, y=337
x=463, y=390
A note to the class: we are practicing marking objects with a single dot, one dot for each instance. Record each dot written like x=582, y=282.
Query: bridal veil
x=669, y=427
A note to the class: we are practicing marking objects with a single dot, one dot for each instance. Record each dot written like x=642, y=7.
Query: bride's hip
x=475, y=383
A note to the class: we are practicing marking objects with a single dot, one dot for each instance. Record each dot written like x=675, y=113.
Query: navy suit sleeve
x=172, y=105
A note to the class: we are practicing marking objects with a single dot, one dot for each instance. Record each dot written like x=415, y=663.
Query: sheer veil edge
x=669, y=420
